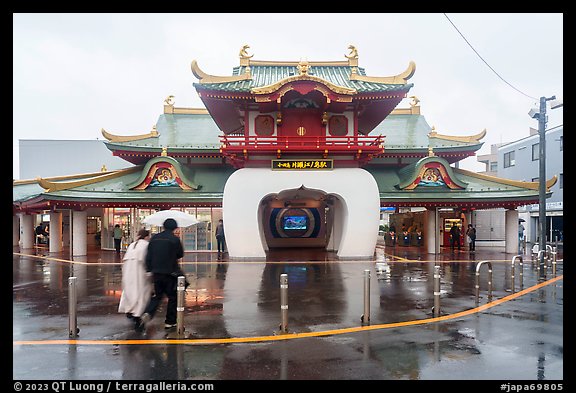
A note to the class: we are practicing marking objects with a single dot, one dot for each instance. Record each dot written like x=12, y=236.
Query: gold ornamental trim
x=531, y=185
x=413, y=110
x=129, y=138
x=56, y=178
x=303, y=77
x=399, y=79
x=466, y=139
x=171, y=110
x=207, y=78
x=294, y=63
x=51, y=186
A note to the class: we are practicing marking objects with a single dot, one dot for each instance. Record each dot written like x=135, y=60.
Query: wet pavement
x=233, y=319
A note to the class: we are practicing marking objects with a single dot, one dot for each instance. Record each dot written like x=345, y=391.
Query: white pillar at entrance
x=511, y=231
x=15, y=230
x=79, y=229
x=337, y=225
x=430, y=231
x=354, y=187
x=55, y=231
x=26, y=230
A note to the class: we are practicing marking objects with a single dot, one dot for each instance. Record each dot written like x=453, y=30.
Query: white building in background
x=519, y=160
x=59, y=157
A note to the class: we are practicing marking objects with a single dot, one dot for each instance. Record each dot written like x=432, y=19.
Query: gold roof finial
x=415, y=101
x=103, y=169
x=169, y=100
x=243, y=54
x=164, y=151
x=430, y=152
x=352, y=57
x=245, y=57
x=303, y=67
x=353, y=52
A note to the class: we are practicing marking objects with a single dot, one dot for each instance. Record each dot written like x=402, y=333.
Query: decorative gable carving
x=163, y=171
x=430, y=172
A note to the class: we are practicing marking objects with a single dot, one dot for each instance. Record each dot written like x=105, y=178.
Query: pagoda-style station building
x=288, y=154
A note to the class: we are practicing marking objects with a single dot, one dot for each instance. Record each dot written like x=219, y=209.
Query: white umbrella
x=182, y=219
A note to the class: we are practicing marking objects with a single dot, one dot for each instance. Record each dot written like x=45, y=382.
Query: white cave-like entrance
x=357, y=206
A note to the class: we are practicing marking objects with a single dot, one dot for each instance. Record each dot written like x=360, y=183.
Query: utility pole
x=542, y=182
x=540, y=114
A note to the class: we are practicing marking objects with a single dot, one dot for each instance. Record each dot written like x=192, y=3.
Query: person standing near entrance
x=419, y=236
x=117, y=235
x=455, y=236
x=41, y=234
x=220, y=238
x=520, y=237
x=164, y=251
x=471, y=237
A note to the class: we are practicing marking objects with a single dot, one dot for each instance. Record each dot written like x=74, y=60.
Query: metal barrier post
x=514, y=258
x=554, y=260
x=436, y=291
x=72, y=301
x=541, y=264
x=180, y=292
x=477, y=286
x=365, y=318
x=284, y=302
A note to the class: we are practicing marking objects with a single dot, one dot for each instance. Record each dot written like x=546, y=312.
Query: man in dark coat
x=455, y=236
x=164, y=251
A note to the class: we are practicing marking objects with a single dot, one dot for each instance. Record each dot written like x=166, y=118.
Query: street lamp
x=542, y=119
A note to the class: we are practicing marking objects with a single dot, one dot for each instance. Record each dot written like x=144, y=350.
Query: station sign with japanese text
x=282, y=165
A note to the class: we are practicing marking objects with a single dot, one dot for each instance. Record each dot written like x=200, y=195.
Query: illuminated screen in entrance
x=294, y=223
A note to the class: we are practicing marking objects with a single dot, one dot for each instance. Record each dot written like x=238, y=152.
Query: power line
x=494, y=71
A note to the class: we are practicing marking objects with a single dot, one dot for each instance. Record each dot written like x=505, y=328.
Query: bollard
x=554, y=260
x=541, y=265
x=365, y=318
x=284, y=302
x=521, y=272
x=477, y=286
x=180, y=292
x=436, y=291
x=72, y=300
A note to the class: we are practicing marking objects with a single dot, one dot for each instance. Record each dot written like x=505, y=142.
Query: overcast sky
x=75, y=74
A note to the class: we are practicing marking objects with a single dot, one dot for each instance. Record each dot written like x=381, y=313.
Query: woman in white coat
x=136, y=284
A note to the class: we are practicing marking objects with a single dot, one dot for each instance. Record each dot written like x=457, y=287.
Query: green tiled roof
x=23, y=192
x=264, y=75
x=477, y=188
x=186, y=132
x=213, y=178
x=179, y=132
x=409, y=132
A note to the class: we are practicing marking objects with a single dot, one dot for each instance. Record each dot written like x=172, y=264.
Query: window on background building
x=561, y=181
x=509, y=159
x=561, y=142
x=536, y=152
x=493, y=166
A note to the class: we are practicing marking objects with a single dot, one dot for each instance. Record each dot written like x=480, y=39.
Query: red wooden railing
x=368, y=144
